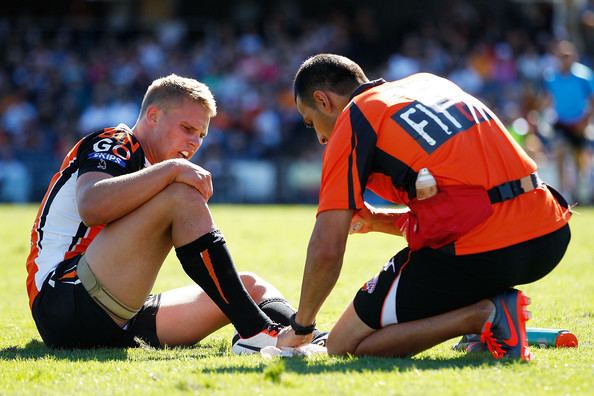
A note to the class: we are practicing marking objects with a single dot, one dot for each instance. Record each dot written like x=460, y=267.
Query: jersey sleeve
x=347, y=162
x=113, y=152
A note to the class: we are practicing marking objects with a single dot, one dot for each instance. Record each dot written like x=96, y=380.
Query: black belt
x=512, y=189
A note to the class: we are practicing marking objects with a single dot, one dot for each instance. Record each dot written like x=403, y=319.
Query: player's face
x=313, y=117
x=566, y=54
x=181, y=130
x=566, y=59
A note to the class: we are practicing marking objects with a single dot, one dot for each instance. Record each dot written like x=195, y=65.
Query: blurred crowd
x=59, y=83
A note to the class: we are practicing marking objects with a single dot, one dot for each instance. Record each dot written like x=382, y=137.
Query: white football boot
x=253, y=344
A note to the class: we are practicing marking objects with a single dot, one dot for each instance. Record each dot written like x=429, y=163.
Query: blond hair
x=171, y=90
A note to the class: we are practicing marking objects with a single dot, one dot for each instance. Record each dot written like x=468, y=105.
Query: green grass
x=271, y=241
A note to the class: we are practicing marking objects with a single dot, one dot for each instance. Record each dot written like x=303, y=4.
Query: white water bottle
x=425, y=185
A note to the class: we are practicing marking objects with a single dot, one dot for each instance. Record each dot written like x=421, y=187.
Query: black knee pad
x=278, y=309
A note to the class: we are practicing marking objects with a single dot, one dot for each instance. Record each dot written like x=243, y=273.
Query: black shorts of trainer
x=67, y=317
x=417, y=285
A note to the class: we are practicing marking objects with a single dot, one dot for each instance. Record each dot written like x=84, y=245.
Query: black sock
x=278, y=309
x=209, y=264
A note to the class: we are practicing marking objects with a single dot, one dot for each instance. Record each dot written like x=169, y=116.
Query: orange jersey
x=58, y=232
x=390, y=130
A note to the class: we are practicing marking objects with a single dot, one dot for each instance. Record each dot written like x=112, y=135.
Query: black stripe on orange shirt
x=366, y=139
x=403, y=176
x=80, y=233
x=64, y=177
x=350, y=182
x=371, y=159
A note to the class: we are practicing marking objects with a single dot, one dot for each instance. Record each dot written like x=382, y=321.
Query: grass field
x=271, y=241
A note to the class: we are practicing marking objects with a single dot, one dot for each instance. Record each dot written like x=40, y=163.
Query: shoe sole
x=522, y=315
x=244, y=349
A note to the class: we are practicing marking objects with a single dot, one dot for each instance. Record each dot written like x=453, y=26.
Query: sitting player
x=122, y=199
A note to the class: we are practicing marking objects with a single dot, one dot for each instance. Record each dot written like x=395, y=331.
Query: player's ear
x=322, y=101
x=152, y=114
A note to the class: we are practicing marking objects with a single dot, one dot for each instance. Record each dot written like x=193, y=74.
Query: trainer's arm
x=323, y=263
x=102, y=198
x=371, y=219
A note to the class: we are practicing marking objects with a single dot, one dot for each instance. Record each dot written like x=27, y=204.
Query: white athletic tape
x=270, y=352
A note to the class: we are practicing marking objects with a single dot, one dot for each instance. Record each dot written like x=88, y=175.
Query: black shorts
x=67, y=317
x=429, y=282
x=577, y=139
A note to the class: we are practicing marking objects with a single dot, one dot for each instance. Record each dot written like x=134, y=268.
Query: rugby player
x=491, y=226
x=122, y=199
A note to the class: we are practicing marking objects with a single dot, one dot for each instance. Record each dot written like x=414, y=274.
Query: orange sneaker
x=504, y=332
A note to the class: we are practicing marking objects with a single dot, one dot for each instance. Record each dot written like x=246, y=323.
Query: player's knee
x=179, y=195
x=255, y=285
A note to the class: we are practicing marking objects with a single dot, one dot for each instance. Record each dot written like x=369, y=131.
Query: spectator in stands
x=56, y=72
x=15, y=181
x=571, y=90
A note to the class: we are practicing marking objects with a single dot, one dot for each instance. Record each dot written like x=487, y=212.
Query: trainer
x=492, y=224
x=122, y=199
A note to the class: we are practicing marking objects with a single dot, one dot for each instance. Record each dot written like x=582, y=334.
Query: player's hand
x=362, y=220
x=288, y=338
x=194, y=176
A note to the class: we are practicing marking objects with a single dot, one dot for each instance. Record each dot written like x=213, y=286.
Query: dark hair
x=331, y=72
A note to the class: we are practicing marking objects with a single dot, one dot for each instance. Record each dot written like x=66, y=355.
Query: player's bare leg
x=187, y=315
x=127, y=254
x=582, y=161
x=561, y=153
x=351, y=335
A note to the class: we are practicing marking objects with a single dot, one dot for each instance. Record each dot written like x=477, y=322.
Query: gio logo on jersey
x=118, y=155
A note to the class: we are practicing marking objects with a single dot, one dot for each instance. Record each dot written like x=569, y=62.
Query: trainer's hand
x=288, y=338
x=194, y=176
x=362, y=220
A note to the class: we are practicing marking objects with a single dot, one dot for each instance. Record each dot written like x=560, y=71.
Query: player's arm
x=102, y=198
x=371, y=219
x=322, y=268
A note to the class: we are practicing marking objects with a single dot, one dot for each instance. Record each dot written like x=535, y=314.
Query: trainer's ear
x=322, y=101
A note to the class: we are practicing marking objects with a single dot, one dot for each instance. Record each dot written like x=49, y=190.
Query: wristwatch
x=299, y=329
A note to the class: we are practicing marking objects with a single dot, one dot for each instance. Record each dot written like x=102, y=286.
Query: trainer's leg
x=351, y=335
x=405, y=309
x=187, y=315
